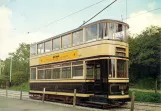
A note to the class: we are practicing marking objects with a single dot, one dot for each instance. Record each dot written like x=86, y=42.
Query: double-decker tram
x=93, y=59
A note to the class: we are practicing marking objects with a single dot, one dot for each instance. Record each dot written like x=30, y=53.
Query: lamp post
x=10, y=70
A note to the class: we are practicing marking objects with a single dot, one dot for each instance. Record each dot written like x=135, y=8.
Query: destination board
x=59, y=57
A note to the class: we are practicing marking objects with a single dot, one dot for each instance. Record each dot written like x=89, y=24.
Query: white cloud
x=140, y=22
x=9, y=41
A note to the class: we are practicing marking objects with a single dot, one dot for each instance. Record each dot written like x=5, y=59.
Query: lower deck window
x=66, y=72
x=40, y=74
x=48, y=74
x=122, y=68
x=56, y=73
x=33, y=73
x=90, y=71
x=77, y=71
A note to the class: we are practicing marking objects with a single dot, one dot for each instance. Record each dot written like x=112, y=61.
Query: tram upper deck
x=104, y=37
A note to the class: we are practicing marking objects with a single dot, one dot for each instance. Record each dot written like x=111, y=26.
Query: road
x=13, y=103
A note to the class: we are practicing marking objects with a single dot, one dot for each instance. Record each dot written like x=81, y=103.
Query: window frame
x=51, y=46
x=41, y=49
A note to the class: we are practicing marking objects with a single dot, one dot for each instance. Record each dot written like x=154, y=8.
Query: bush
x=146, y=83
x=147, y=96
x=19, y=78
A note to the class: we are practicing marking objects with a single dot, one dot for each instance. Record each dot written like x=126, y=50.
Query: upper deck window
x=119, y=32
x=33, y=50
x=56, y=44
x=40, y=48
x=111, y=30
x=91, y=33
x=103, y=30
x=77, y=37
x=48, y=46
x=66, y=41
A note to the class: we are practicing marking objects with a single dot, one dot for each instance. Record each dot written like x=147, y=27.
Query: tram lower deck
x=100, y=81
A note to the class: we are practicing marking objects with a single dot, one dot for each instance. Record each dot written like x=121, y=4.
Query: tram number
x=122, y=87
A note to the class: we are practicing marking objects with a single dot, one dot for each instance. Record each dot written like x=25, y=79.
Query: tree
x=145, y=53
x=20, y=61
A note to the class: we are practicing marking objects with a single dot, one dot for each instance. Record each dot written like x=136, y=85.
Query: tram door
x=100, y=77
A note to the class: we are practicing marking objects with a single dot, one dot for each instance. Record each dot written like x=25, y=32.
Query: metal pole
x=21, y=93
x=10, y=70
x=0, y=67
x=6, y=88
x=43, y=95
x=74, y=98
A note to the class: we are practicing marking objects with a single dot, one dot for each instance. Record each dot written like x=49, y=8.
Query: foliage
x=18, y=78
x=20, y=62
x=144, y=53
x=147, y=96
x=146, y=83
x=23, y=86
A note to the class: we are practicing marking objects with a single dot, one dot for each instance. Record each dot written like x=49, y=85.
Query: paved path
x=13, y=103
x=10, y=104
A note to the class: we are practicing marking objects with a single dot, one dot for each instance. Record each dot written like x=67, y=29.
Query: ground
x=9, y=104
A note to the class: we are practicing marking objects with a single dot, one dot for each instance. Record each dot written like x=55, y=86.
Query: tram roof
x=79, y=28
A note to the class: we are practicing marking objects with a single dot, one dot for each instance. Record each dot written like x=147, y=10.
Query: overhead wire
x=143, y=13
x=67, y=16
x=99, y=12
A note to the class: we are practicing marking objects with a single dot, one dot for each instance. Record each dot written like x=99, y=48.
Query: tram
x=93, y=59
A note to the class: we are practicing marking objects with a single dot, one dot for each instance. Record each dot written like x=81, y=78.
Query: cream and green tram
x=93, y=59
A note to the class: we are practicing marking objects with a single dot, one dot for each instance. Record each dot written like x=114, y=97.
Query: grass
x=25, y=87
x=146, y=96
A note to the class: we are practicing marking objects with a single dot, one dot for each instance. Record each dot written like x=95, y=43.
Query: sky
x=27, y=20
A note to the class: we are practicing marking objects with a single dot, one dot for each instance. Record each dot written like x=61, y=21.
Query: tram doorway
x=100, y=75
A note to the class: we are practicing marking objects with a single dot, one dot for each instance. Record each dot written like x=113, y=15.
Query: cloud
x=9, y=40
x=139, y=21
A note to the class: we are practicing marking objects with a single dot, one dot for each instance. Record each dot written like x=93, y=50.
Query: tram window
x=77, y=37
x=66, y=64
x=77, y=63
x=97, y=71
x=90, y=70
x=111, y=30
x=91, y=33
x=66, y=72
x=40, y=48
x=66, y=41
x=48, y=46
x=40, y=74
x=111, y=68
x=101, y=25
x=121, y=69
x=77, y=71
x=56, y=73
x=56, y=44
x=119, y=32
x=33, y=73
x=47, y=73
x=33, y=50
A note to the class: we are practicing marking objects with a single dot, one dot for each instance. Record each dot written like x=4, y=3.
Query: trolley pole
x=10, y=70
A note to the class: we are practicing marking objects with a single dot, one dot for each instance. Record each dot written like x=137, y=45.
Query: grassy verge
x=25, y=87
x=146, y=96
